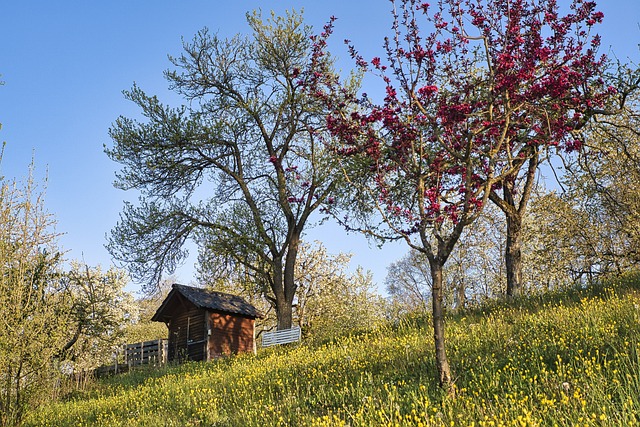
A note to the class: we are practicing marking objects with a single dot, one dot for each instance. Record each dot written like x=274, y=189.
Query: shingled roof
x=207, y=299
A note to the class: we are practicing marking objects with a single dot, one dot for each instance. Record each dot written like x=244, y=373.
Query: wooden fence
x=283, y=336
x=145, y=353
x=141, y=353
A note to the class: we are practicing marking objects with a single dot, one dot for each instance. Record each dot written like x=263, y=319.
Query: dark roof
x=207, y=299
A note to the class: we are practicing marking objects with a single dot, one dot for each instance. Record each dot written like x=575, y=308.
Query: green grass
x=564, y=359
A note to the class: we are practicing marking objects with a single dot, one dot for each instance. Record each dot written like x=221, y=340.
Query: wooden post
x=255, y=345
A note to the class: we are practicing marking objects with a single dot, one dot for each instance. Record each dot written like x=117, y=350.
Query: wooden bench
x=283, y=336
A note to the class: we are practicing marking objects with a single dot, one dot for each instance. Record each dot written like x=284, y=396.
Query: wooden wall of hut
x=230, y=334
x=188, y=335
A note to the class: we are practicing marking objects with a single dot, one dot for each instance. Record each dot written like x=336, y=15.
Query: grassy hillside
x=565, y=359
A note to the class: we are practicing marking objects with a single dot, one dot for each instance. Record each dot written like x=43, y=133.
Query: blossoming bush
x=570, y=360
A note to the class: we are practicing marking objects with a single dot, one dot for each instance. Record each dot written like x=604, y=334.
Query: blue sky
x=65, y=64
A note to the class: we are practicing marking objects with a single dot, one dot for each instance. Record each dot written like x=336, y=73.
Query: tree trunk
x=437, y=296
x=514, y=213
x=284, y=310
x=461, y=296
x=513, y=255
x=285, y=284
x=284, y=314
x=284, y=304
x=73, y=339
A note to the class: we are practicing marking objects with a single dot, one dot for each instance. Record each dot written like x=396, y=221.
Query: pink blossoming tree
x=466, y=106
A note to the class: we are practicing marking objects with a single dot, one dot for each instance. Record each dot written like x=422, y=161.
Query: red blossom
x=428, y=90
x=540, y=80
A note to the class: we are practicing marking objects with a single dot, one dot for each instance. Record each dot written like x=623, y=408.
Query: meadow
x=560, y=359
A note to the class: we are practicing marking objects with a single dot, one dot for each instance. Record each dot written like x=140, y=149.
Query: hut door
x=195, y=337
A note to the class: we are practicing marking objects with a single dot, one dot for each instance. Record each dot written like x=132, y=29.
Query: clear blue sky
x=65, y=64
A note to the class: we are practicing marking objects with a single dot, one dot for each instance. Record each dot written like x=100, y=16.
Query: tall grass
x=568, y=360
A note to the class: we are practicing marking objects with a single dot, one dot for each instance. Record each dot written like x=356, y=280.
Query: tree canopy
x=238, y=168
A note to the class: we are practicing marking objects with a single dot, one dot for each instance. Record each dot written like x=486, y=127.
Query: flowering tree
x=32, y=309
x=99, y=310
x=466, y=106
x=603, y=181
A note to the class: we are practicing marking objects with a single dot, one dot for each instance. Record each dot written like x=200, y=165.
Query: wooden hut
x=204, y=324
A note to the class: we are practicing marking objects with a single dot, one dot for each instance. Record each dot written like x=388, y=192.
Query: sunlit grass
x=567, y=360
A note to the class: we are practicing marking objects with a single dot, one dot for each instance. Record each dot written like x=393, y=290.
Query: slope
x=566, y=358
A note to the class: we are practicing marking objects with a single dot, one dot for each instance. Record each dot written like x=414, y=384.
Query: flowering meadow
x=561, y=359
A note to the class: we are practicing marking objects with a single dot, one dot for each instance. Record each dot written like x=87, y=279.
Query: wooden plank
x=283, y=336
x=145, y=352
